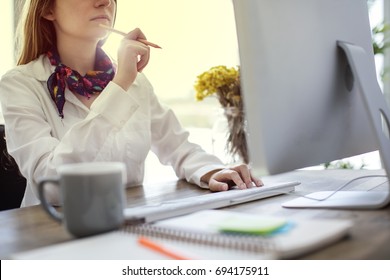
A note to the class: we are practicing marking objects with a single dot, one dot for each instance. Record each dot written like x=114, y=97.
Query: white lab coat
x=119, y=126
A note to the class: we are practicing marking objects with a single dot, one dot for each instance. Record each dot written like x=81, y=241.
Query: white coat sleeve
x=170, y=143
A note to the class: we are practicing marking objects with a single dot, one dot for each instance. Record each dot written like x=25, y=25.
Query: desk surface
x=29, y=228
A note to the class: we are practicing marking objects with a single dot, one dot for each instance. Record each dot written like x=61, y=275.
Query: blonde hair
x=35, y=34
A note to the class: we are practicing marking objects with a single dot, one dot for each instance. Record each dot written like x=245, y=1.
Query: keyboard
x=172, y=208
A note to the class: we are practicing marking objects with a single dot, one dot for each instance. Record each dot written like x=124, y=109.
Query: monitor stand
x=379, y=116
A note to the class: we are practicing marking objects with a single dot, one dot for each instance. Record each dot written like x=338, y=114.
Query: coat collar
x=41, y=69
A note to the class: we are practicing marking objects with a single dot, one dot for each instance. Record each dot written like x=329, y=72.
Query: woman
x=66, y=102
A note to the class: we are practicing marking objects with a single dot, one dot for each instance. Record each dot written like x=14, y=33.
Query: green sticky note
x=251, y=224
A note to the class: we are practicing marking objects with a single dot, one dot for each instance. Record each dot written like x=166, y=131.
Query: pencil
x=159, y=248
x=124, y=34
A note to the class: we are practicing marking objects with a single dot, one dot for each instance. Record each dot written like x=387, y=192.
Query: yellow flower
x=213, y=80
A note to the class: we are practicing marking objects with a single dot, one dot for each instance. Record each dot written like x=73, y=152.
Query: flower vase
x=229, y=136
x=219, y=138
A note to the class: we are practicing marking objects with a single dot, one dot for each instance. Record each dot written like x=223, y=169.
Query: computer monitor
x=310, y=89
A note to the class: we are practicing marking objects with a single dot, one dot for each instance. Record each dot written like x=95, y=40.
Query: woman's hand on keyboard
x=240, y=175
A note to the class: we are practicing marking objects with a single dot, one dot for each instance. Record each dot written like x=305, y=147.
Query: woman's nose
x=105, y=3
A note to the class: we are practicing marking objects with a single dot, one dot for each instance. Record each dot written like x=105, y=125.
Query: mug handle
x=47, y=206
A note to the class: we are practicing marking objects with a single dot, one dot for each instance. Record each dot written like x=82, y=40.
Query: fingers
x=144, y=59
x=144, y=55
x=243, y=170
x=247, y=176
x=239, y=175
x=139, y=49
x=133, y=57
x=216, y=186
x=230, y=175
x=135, y=35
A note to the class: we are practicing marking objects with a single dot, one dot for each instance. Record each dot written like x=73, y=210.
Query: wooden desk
x=30, y=227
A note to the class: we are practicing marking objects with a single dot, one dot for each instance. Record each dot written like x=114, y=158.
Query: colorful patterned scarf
x=92, y=83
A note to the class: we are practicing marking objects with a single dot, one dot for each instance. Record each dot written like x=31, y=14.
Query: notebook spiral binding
x=244, y=242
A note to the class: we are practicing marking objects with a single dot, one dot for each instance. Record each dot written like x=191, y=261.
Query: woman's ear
x=49, y=15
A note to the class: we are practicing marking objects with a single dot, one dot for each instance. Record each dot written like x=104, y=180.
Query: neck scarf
x=92, y=83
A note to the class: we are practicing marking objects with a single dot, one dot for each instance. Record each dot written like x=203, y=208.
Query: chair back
x=12, y=183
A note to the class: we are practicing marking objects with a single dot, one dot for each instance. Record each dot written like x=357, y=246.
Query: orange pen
x=160, y=249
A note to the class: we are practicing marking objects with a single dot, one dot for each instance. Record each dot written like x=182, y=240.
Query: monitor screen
x=303, y=101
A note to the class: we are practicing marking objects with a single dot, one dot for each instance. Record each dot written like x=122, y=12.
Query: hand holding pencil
x=124, y=34
x=133, y=56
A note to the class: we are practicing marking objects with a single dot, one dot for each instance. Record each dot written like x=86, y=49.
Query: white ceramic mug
x=93, y=197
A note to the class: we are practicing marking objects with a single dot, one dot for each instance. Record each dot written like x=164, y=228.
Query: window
x=195, y=35
x=6, y=35
x=376, y=18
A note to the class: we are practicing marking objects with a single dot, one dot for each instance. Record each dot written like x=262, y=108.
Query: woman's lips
x=101, y=18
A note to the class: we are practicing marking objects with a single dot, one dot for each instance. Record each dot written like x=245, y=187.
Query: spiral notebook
x=197, y=237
